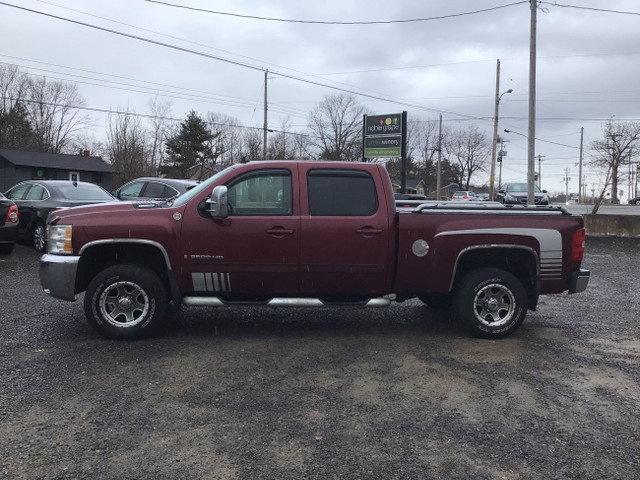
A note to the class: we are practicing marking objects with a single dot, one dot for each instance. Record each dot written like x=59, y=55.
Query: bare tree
x=15, y=128
x=423, y=142
x=282, y=144
x=469, y=150
x=620, y=140
x=86, y=142
x=54, y=114
x=126, y=147
x=225, y=143
x=252, y=144
x=336, y=128
x=159, y=110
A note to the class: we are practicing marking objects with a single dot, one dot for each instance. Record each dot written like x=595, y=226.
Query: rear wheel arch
x=520, y=261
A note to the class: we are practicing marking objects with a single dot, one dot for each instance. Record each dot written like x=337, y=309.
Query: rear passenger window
x=155, y=190
x=348, y=193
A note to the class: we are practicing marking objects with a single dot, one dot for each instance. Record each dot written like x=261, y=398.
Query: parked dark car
x=634, y=201
x=516, y=194
x=36, y=198
x=8, y=225
x=151, y=188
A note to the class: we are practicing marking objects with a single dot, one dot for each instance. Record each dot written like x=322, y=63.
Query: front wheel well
x=96, y=258
x=520, y=262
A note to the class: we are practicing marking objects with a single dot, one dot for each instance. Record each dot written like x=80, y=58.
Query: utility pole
x=264, y=129
x=580, y=191
x=629, y=196
x=531, y=151
x=540, y=171
x=495, y=134
x=439, y=170
x=501, y=154
x=566, y=181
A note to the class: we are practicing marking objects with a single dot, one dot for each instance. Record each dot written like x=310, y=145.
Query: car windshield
x=521, y=187
x=84, y=192
x=186, y=197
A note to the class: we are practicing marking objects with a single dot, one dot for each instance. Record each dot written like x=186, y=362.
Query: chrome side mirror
x=217, y=204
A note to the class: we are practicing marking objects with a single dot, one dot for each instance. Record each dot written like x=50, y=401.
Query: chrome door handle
x=369, y=231
x=279, y=231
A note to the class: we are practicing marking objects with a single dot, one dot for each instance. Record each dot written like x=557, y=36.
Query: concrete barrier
x=612, y=225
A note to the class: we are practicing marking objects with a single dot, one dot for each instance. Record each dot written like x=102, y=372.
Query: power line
x=579, y=7
x=229, y=101
x=245, y=65
x=322, y=22
x=146, y=115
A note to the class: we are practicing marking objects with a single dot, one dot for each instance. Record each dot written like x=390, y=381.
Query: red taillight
x=577, y=246
x=12, y=214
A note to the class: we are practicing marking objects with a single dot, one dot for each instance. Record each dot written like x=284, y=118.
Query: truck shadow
x=260, y=321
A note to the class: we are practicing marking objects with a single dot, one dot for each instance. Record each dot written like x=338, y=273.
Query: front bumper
x=579, y=281
x=58, y=275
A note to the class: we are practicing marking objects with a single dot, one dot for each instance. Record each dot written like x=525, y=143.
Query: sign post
x=385, y=136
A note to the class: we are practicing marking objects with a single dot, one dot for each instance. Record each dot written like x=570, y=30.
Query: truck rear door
x=345, y=247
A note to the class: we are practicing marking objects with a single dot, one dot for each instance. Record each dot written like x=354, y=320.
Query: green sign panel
x=377, y=147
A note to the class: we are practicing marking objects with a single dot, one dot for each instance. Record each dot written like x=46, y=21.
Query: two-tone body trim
x=490, y=246
x=211, y=282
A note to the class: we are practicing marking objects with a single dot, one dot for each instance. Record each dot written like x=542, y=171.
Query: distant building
x=414, y=185
x=19, y=165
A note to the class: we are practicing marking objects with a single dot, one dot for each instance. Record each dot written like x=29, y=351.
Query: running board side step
x=283, y=302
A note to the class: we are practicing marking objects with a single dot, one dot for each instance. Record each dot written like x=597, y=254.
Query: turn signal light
x=59, y=239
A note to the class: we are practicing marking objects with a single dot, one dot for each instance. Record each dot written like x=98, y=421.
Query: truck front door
x=253, y=253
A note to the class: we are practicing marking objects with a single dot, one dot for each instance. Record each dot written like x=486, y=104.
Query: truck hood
x=109, y=209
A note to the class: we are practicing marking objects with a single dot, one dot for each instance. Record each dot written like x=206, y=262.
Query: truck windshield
x=195, y=191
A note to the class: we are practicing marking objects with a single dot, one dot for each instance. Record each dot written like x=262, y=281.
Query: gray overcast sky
x=588, y=67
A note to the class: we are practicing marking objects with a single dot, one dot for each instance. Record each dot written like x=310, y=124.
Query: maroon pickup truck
x=288, y=233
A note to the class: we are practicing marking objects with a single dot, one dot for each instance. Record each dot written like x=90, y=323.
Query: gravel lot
x=397, y=393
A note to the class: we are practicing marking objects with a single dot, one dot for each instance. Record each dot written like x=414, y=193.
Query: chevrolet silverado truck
x=314, y=234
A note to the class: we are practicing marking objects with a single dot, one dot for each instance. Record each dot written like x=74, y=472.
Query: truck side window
x=334, y=192
x=263, y=192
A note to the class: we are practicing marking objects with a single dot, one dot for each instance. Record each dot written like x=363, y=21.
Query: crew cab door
x=345, y=249
x=253, y=253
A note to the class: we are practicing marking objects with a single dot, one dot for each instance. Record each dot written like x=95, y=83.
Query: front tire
x=125, y=302
x=39, y=237
x=490, y=303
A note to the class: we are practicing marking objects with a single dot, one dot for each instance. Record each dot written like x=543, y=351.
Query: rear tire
x=125, y=302
x=490, y=303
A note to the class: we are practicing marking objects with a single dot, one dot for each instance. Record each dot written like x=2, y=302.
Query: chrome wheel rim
x=39, y=237
x=494, y=305
x=124, y=304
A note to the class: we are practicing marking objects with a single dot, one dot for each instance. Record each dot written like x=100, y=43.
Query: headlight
x=59, y=239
